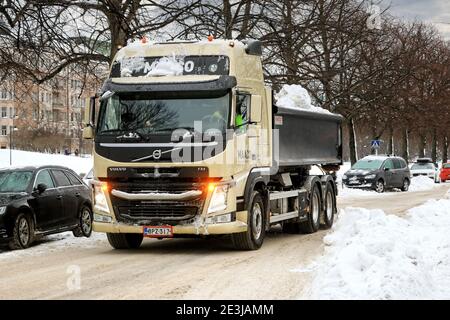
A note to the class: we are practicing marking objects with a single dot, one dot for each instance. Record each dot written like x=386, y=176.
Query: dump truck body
x=188, y=143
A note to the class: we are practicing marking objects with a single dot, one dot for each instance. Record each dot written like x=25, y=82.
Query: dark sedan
x=38, y=201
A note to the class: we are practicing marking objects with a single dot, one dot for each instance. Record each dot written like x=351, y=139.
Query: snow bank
x=422, y=183
x=166, y=66
x=57, y=242
x=296, y=97
x=25, y=158
x=371, y=255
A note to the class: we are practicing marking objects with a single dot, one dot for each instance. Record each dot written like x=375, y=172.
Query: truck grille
x=160, y=212
x=144, y=212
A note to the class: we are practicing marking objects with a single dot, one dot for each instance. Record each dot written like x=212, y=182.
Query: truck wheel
x=23, y=232
x=329, y=207
x=125, y=240
x=405, y=186
x=253, y=238
x=84, y=229
x=315, y=208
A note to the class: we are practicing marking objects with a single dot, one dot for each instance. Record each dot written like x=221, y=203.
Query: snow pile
x=371, y=255
x=422, y=183
x=166, y=66
x=56, y=242
x=296, y=97
x=345, y=192
x=25, y=158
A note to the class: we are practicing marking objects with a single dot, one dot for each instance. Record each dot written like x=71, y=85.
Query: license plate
x=354, y=182
x=158, y=232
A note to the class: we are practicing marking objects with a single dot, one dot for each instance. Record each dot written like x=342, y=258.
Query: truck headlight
x=218, y=199
x=371, y=176
x=100, y=201
x=2, y=210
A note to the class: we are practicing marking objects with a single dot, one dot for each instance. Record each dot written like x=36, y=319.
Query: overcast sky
x=433, y=11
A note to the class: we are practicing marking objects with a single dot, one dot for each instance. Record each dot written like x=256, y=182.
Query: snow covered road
x=180, y=268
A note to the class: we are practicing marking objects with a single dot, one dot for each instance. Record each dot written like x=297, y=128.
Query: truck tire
x=329, y=210
x=253, y=238
x=23, y=232
x=122, y=241
x=315, y=207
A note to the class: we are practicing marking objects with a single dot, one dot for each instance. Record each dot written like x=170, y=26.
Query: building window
x=4, y=112
x=11, y=112
x=4, y=128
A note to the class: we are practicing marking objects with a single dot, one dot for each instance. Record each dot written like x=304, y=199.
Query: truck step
x=284, y=216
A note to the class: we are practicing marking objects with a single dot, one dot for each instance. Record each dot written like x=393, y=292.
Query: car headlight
x=100, y=201
x=371, y=176
x=218, y=199
x=2, y=210
x=344, y=177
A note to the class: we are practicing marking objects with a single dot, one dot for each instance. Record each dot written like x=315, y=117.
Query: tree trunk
x=445, y=150
x=405, y=141
x=228, y=32
x=434, y=146
x=352, y=141
x=391, y=147
x=422, y=145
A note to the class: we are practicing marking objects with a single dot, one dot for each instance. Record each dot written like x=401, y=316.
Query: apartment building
x=55, y=110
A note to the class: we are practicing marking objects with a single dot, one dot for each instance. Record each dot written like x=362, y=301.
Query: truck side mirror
x=89, y=118
x=256, y=109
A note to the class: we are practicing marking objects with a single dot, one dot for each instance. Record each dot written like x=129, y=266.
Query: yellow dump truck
x=188, y=143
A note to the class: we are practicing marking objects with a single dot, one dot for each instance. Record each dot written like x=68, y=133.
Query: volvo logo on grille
x=157, y=154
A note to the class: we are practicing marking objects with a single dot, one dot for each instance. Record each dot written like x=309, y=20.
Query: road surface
x=177, y=268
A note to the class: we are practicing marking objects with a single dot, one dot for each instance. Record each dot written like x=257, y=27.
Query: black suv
x=37, y=201
x=378, y=173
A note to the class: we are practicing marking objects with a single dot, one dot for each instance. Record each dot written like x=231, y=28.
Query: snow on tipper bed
x=296, y=97
x=371, y=255
x=25, y=158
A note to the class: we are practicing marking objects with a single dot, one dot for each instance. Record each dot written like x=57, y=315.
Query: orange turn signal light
x=211, y=187
x=105, y=187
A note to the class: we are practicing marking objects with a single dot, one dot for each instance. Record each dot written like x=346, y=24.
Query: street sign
x=376, y=144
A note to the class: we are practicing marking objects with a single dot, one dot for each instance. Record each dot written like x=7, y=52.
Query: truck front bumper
x=200, y=229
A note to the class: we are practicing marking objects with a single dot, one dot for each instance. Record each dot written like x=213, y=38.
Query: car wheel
x=122, y=241
x=84, y=228
x=329, y=207
x=253, y=238
x=315, y=208
x=23, y=232
x=380, y=187
x=405, y=186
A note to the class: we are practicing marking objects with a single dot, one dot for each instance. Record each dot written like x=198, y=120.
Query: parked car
x=38, y=201
x=378, y=173
x=445, y=172
x=425, y=167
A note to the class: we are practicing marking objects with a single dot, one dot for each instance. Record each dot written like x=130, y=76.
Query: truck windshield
x=368, y=164
x=135, y=115
x=14, y=181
